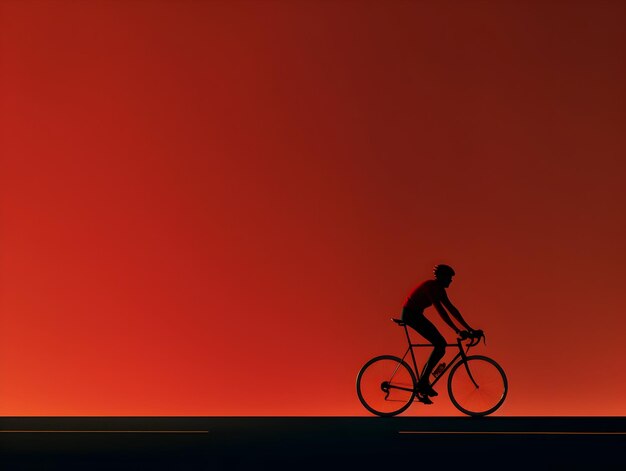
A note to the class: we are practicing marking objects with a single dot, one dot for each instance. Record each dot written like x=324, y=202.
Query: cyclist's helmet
x=443, y=270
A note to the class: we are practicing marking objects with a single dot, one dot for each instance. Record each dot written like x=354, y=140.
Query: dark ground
x=225, y=443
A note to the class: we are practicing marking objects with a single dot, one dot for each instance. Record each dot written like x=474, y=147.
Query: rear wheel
x=386, y=385
x=477, y=386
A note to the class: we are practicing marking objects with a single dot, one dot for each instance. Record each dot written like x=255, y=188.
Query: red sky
x=214, y=208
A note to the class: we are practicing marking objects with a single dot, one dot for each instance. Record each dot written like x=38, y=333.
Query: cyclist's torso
x=423, y=296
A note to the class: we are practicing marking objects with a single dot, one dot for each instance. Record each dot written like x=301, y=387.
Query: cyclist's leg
x=428, y=330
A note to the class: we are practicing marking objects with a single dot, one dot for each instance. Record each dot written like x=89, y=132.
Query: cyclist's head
x=444, y=274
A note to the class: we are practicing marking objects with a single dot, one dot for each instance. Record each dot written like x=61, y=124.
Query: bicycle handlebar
x=474, y=337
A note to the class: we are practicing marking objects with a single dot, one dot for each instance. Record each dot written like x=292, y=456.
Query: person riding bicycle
x=433, y=293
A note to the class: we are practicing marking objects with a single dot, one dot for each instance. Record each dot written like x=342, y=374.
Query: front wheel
x=386, y=385
x=477, y=386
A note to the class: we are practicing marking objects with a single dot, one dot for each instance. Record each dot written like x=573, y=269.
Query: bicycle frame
x=461, y=354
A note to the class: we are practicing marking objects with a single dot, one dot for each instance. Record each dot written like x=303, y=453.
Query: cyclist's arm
x=455, y=312
x=445, y=316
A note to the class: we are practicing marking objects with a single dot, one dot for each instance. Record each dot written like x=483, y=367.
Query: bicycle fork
x=466, y=364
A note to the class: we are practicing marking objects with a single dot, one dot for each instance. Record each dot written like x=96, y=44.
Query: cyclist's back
x=423, y=296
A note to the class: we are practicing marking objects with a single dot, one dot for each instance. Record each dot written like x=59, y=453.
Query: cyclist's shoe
x=427, y=390
x=423, y=398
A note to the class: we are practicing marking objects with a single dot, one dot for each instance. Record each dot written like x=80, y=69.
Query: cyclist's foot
x=423, y=398
x=427, y=390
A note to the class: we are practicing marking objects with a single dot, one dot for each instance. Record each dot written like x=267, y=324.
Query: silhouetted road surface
x=229, y=443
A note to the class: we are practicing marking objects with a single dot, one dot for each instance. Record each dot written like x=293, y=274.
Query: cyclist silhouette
x=433, y=293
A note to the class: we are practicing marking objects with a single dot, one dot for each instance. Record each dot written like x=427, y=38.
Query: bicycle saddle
x=400, y=322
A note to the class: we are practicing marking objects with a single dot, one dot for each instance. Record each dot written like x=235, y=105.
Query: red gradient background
x=214, y=208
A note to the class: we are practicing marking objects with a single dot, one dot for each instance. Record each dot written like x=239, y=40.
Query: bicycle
x=477, y=386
